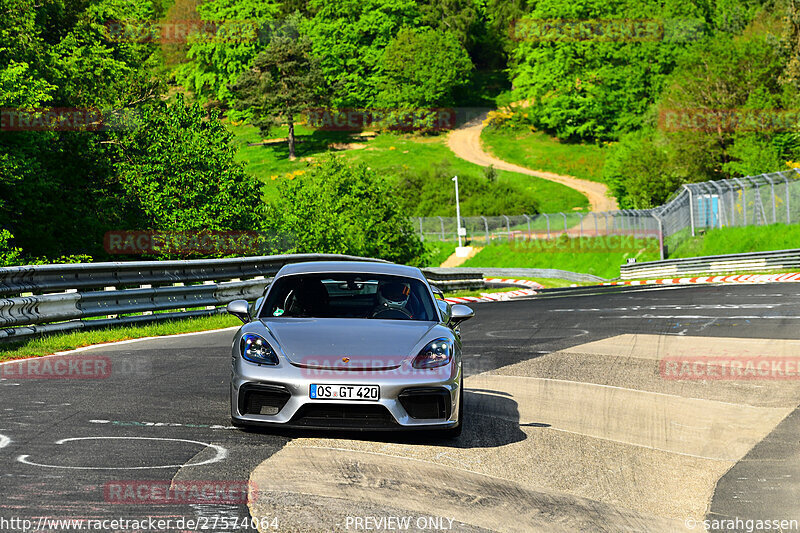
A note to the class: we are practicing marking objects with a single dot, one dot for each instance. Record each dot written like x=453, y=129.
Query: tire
x=455, y=432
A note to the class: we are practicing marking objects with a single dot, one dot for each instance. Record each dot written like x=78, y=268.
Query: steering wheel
x=391, y=312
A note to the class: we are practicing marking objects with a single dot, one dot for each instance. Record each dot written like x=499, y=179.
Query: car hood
x=366, y=343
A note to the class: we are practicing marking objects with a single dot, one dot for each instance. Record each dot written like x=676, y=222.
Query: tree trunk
x=291, y=137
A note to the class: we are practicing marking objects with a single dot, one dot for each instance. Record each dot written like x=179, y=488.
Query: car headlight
x=436, y=353
x=256, y=349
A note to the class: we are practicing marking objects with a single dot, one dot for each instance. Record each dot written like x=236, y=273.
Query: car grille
x=262, y=399
x=344, y=416
x=426, y=403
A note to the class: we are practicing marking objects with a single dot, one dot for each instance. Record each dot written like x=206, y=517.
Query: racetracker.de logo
x=161, y=492
x=63, y=367
x=181, y=242
x=730, y=368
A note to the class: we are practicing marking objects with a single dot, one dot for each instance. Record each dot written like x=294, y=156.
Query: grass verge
x=58, y=342
x=538, y=151
x=600, y=256
x=396, y=155
x=735, y=240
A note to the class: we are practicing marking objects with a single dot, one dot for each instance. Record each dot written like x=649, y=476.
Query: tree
x=178, y=172
x=217, y=60
x=340, y=209
x=284, y=82
x=585, y=83
x=349, y=37
x=420, y=68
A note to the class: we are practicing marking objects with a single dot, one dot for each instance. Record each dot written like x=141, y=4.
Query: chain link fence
x=770, y=198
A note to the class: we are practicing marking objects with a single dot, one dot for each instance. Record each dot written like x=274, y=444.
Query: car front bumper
x=279, y=396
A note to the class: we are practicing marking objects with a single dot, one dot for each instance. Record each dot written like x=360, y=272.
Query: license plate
x=371, y=393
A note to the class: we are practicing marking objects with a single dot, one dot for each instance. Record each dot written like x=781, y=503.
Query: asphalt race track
x=572, y=425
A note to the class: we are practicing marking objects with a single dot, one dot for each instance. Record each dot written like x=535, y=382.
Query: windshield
x=349, y=295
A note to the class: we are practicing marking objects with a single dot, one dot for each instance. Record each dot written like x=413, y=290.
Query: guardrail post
x=691, y=207
x=147, y=287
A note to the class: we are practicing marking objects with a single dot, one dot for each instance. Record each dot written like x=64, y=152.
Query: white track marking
x=221, y=454
x=4, y=441
x=129, y=341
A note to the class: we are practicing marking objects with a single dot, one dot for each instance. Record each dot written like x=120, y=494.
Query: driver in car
x=394, y=296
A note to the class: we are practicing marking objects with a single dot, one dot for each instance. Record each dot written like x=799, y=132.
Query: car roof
x=359, y=267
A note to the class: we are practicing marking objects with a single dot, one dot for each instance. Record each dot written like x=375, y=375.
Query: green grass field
x=59, y=342
x=392, y=155
x=538, y=151
x=735, y=240
x=600, y=256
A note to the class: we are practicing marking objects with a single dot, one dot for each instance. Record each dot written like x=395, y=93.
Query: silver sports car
x=354, y=345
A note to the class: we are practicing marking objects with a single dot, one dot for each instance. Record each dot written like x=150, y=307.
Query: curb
x=741, y=278
x=517, y=282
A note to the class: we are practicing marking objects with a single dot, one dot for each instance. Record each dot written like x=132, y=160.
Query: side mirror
x=240, y=309
x=459, y=313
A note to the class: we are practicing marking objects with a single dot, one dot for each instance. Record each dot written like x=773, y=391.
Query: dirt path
x=465, y=142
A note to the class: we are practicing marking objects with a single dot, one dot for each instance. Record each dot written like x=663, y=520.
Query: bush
x=342, y=210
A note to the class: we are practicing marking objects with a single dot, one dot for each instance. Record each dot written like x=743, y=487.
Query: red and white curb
x=520, y=282
x=491, y=297
x=741, y=278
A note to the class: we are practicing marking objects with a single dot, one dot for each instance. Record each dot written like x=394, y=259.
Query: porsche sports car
x=349, y=345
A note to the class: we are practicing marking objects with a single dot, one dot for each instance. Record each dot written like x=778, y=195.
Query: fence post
x=788, y=216
x=660, y=236
x=441, y=222
x=720, y=202
x=529, y=225
x=732, y=192
x=744, y=200
x=486, y=227
x=772, y=192
x=691, y=207
x=565, y=221
x=547, y=218
x=421, y=232
x=508, y=227
x=580, y=231
x=596, y=229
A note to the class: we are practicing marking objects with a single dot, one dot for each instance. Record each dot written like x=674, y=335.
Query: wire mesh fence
x=770, y=198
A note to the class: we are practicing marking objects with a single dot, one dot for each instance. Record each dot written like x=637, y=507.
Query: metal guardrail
x=104, y=294
x=713, y=264
x=455, y=279
x=38, y=299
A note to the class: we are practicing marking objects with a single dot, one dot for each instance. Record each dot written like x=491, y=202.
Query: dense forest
x=163, y=75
